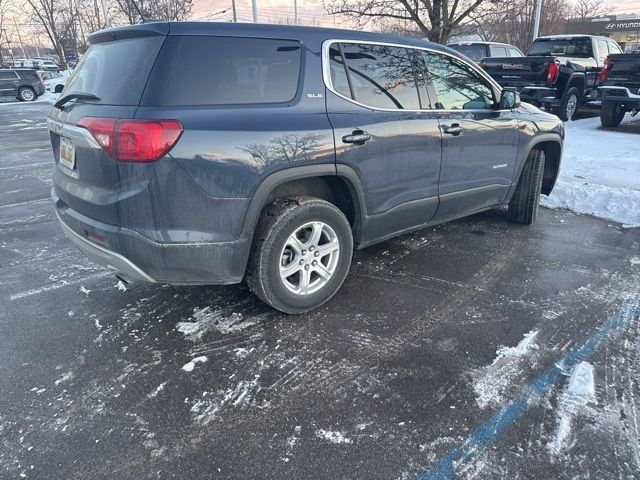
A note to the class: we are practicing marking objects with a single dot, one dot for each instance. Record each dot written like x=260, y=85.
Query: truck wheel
x=611, y=114
x=26, y=94
x=567, y=111
x=301, y=254
x=523, y=207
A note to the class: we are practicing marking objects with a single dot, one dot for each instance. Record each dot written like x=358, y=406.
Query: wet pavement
x=476, y=349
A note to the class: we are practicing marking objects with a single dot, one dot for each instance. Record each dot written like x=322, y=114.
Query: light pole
x=254, y=8
x=235, y=15
x=295, y=12
x=536, y=20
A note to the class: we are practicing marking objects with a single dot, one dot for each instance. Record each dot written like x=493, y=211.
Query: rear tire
x=310, y=238
x=27, y=94
x=567, y=111
x=611, y=114
x=523, y=207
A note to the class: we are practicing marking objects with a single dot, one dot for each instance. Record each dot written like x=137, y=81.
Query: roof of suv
x=479, y=42
x=254, y=30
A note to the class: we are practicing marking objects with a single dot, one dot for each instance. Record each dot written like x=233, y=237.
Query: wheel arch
x=340, y=186
x=551, y=145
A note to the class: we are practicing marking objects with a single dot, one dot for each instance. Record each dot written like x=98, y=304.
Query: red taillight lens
x=604, y=73
x=134, y=140
x=553, y=71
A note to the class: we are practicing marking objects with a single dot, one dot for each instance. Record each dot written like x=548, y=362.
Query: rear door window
x=498, y=51
x=117, y=71
x=8, y=75
x=514, y=52
x=233, y=71
x=381, y=76
x=475, y=52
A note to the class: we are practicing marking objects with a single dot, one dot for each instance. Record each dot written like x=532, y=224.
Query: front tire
x=567, y=111
x=27, y=94
x=611, y=114
x=523, y=207
x=301, y=254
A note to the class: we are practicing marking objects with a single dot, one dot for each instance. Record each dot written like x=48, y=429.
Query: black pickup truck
x=559, y=72
x=620, y=88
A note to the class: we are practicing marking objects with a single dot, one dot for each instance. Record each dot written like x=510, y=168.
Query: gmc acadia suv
x=204, y=153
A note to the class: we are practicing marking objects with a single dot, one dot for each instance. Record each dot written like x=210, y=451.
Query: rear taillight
x=604, y=73
x=553, y=71
x=134, y=140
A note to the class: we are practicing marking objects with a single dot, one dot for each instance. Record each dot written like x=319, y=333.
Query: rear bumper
x=540, y=96
x=136, y=257
x=618, y=94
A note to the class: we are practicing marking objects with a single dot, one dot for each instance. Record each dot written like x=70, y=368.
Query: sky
x=311, y=10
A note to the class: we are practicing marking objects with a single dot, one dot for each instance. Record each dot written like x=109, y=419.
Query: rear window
x=474, y=52
x=562, y=47
x=116, y=72
x=233, y=71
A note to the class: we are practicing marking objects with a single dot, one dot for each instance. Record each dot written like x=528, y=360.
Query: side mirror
x=509, y=99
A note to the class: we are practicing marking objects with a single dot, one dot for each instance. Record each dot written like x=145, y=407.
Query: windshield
x=475, y=52
x=116, y=72
x=562, y=47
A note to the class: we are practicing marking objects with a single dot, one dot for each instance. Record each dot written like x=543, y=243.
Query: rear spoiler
x=146, y=29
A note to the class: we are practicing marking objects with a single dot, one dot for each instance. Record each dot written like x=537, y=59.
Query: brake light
x=553, y=71
x=604, y=73
x=134, y=140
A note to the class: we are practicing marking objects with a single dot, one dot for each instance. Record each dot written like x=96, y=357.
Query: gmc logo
x=512, y=66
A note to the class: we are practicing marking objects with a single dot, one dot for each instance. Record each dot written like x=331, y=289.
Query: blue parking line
x=487, y=433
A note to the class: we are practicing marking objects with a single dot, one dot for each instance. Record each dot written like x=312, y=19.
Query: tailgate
x=517, y=72
x=115, y=69
x=624, y=71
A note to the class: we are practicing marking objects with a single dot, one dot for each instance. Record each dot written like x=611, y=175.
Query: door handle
x=357, y=137
x=454, y=129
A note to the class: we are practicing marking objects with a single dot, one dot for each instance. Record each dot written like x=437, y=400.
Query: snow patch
x=158, y=389
x=188, y=367
x=333, y=436
x=210, y=406
x=493, y=382
x=599, y=174
x=206, y=319
x=121, y=286
x=580, y=392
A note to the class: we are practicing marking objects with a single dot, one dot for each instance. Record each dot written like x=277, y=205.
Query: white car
x=54, y=81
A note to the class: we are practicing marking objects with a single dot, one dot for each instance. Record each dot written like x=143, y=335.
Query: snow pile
x=599, y=174
x=579, y=393
x=492, y=383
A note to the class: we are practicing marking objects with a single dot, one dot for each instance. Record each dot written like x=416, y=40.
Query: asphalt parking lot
x=447, y=354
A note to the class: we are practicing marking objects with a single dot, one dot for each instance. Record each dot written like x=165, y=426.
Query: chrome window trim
x=326, y=76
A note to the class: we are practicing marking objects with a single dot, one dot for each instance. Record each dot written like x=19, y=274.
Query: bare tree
x=157, y=9
x=4, y=39
x=434, y=19
x=57, y=20
x=514, y=23
x=584, y=9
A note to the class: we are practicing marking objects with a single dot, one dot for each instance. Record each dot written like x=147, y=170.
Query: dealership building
x=624, y=29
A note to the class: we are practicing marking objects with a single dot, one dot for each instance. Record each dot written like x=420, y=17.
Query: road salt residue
x=207, y=319
x=332, y=436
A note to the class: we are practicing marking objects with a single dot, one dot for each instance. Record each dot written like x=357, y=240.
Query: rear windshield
x=562, y=47
x=474, y=52
x=232, y=71
x=116, y=72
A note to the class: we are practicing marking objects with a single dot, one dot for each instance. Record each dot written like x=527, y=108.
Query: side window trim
x=346, y=71
x=326, y=76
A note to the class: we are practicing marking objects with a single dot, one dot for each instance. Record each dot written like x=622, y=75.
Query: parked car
x=476, y=51
x=23, y=83
x=46, y=64
x=620, y=89
x=559, y=72
x=54, y=81
x=272, y=162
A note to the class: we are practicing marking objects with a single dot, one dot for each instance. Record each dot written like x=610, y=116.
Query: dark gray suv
x=204, y=153
x=23, y=83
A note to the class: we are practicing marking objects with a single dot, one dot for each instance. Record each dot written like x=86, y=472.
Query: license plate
x=67, y=153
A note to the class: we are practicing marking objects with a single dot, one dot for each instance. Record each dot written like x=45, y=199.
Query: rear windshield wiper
x=74, y=96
